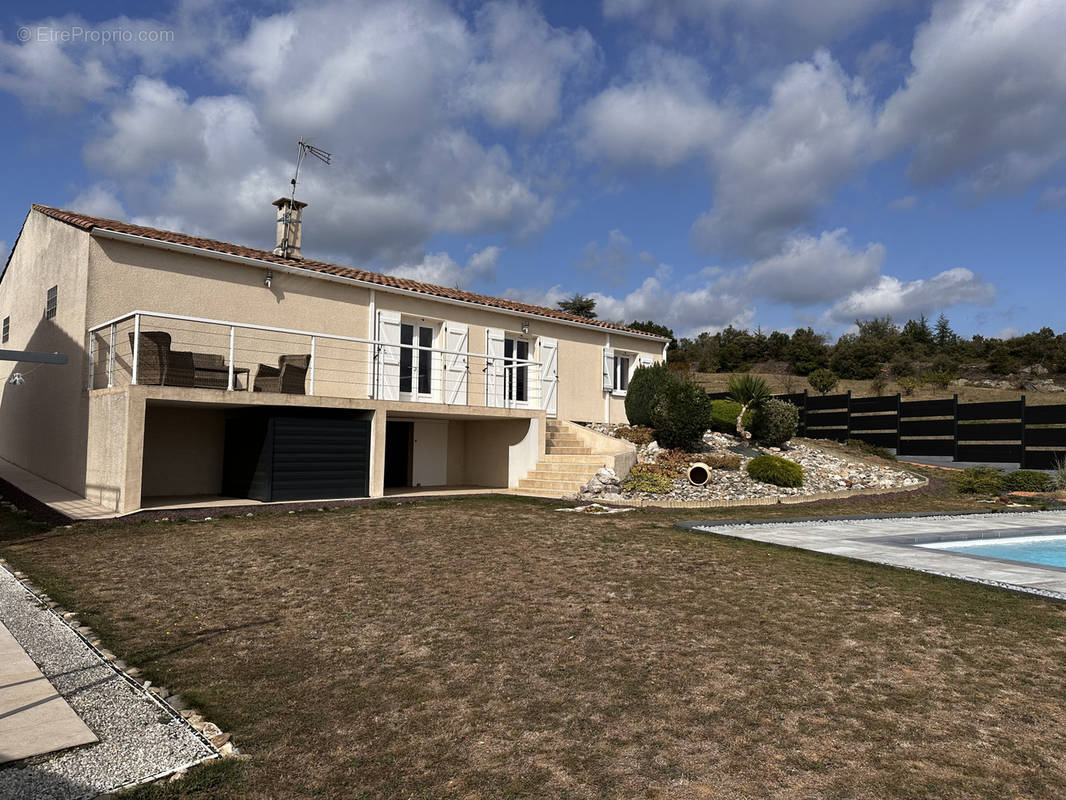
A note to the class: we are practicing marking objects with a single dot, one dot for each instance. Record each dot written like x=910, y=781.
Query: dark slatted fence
x=1005, y=431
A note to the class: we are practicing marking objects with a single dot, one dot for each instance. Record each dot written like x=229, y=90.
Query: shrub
x=724, y=416
x=750, y=392
x=637, y=434
x=680, y=411
x=776, y=470
x=671, y=464
x=938, y=378
x=1058, y=473
x=1028, y=480
x=945, y=363
x=646, y=381
x=979, y=480
x=908, y=385
x=902, y=366
x=647, y=482
x=879, y=383
x=871, y=449
x=775, y=423
x=822, y=380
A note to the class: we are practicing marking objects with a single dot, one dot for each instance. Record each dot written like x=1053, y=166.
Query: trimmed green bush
x=776, y=470
x=679, y=413
x=775, y=423
x=724, y=416
x=822, y=380
x=1028, y=480
x=979, y=480
x=647, y=482
x=646, y=381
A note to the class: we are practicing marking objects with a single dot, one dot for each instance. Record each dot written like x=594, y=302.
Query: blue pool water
x=1035, y=549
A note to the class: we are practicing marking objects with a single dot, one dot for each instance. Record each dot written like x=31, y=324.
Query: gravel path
x=139, y=737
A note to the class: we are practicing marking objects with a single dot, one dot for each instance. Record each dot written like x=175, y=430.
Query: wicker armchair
x=158, y=365
x=288, y=377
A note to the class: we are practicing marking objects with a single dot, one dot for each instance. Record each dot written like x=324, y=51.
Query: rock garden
x=727, y=451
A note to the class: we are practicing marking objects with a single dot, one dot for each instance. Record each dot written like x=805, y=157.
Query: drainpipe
x=606, y=393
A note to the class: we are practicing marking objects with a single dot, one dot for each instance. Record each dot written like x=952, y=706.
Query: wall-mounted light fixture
x=525, y=327
x=269, y=277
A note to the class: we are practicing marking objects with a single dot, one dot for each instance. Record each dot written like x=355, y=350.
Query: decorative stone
x=220, y=739
x=176, y=702
x=210, y=729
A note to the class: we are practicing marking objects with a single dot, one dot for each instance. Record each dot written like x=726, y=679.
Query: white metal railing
x=506, y=382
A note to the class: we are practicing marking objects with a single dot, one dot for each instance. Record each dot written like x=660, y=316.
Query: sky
x=766, y=164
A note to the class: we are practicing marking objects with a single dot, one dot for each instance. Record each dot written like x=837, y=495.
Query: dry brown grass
x=487, y=648
x=719, y=381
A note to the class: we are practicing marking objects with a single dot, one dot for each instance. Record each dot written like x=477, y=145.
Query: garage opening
x=300, y=454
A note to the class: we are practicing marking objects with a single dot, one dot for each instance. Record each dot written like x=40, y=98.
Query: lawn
x=487, y=648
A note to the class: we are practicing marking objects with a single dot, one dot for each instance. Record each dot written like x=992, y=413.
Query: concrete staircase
x=566, y=467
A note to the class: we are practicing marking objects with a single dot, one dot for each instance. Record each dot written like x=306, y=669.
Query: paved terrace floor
x=893, y=542
x=34, y=719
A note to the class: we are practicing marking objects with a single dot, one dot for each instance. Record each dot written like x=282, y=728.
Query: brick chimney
x=289, y=226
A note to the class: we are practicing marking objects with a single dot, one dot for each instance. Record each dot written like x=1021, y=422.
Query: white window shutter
x=388, y=361
x=494, y=383
x=608, y=369
x=549, y=375
x=456, y=341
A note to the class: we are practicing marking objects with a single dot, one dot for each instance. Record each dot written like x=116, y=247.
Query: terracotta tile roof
x=87, y=223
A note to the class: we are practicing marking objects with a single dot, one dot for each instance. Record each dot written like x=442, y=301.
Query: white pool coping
x=895, y=542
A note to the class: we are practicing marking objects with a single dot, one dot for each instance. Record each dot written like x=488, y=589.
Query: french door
x=416, y=362
x=515, y=372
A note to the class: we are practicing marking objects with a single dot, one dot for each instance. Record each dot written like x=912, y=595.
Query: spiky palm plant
x=750, y=392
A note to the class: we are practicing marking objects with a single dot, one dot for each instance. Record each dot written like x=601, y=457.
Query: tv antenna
x=303, y=150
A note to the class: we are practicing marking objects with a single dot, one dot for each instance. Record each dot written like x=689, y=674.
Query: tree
x=580, y=306
x=655, y=329
x=807, y=351
x=944, y=336
x=822, y=380
x=917, y=335
x=750, y=392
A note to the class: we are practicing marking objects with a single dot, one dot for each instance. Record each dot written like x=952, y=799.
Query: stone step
x=559, y=486
x=583, y=459
x=550, y=494
x=568, y=466
x=553, y=475
x=569, y=451
x=564, y=441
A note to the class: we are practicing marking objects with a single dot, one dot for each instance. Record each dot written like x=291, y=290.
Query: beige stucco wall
x=183, y=451
x=126, y=277
x=487, y=450
x=43, y=422
x=580, y=355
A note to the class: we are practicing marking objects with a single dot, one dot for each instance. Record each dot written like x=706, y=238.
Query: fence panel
x=1045, y=437
x=1004, y=409
x=927, y=408
x=874, y=422
x=990, y=432
x=829, y=401
x=1045, y=415
x=866, y=405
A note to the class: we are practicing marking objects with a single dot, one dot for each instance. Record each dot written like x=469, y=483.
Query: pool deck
x=892, y=541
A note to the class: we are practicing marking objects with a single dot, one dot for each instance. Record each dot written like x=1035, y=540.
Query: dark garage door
x=297, y=456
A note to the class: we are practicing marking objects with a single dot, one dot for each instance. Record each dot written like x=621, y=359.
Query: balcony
x=406, y=365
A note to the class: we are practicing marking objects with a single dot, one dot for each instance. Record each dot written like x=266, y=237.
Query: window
x=7, y=329
x=516, y=374
x=621, y=372
x=416, y=370
x=51, y=302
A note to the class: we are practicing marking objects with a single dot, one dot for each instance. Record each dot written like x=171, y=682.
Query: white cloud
x=906, y=299
x=100, y=201
x=785, y=27
x=660, y=117
x=43, y=75
x=686, y=312
x=906, y=203
x=519, y=81
x=809, y=270
x=986, y=100
x=379, y=85
x=608, y=262
x=787, y=159
x=442, y=270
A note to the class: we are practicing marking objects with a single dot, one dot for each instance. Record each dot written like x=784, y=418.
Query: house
x=200, y=368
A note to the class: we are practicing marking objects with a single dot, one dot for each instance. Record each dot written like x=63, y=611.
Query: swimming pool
x=1049, y=549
